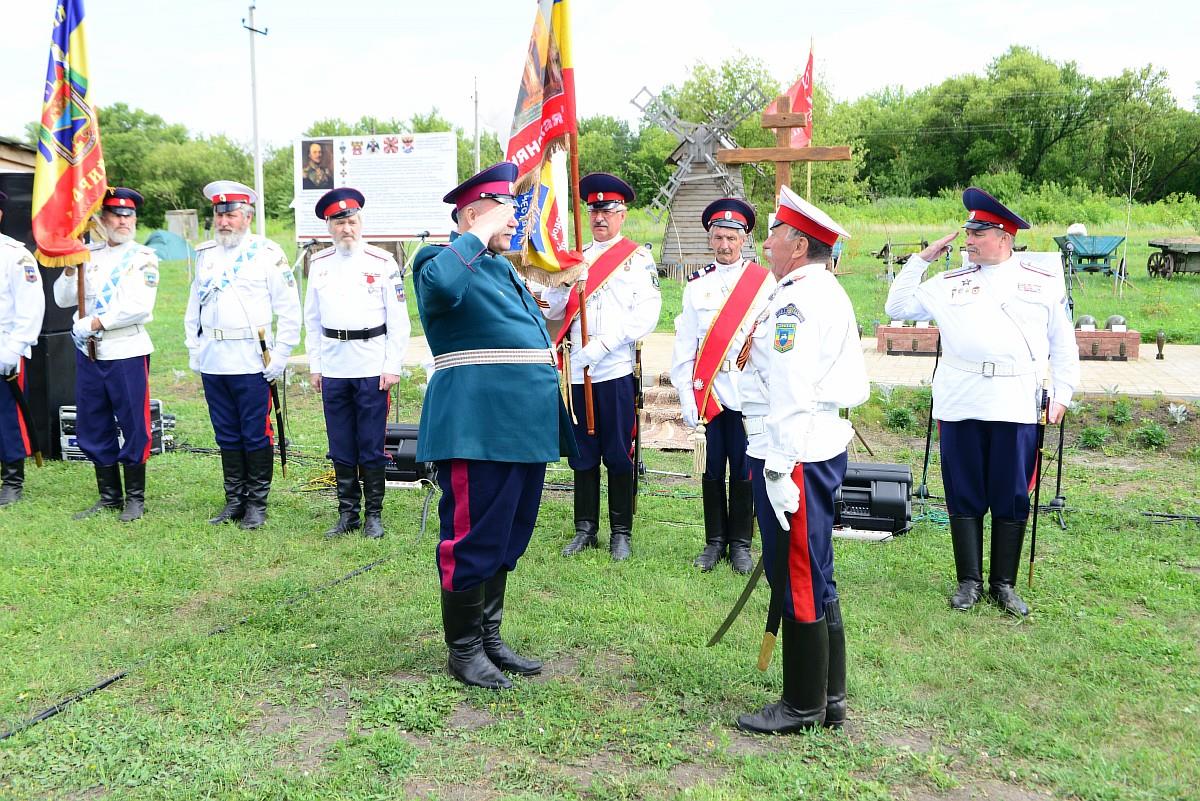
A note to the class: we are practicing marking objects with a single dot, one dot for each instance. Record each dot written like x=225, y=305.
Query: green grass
x=342, y=694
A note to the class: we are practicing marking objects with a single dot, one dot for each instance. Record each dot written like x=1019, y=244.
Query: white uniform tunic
x=121, y=284
x=237, y=291
x=805, y=363
x=1007, y=319
x=620, y=313
x=22, y=303
x=703, y=298
x=349, y=292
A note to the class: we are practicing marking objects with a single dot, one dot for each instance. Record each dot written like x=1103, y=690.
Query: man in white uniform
x=356, y=332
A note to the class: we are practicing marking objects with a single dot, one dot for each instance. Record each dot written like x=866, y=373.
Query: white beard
x=120, y=237
x=348, y=249
x=231, y=239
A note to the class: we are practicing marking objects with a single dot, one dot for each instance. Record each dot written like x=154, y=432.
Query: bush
x=1093, y=437
x=1121, y=412
x=900, y=419
x=1150, y=435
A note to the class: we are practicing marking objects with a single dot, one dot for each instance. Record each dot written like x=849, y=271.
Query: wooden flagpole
x=588, y=408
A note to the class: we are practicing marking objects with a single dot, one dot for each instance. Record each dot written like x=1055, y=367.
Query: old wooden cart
x=1176, y=255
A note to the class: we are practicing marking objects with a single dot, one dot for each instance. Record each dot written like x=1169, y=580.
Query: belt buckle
x=218, y=334
x=343, y=336
x=989, y=370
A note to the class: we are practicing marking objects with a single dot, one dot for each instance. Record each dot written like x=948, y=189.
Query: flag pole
x=588, y=408
x=808, y=165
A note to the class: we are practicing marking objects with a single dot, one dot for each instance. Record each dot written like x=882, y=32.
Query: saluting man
x=22, y=305
x=719, y=302
x=242, y=281
x=804, y=364
x=121, y=284
x=1002, y=321
x=492, y=418
x=356, y=333
x=623, y=303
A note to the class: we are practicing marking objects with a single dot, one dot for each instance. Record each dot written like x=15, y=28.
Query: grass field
x=340, y=693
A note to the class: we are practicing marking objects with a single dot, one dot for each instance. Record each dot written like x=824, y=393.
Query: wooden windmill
x=698, y=179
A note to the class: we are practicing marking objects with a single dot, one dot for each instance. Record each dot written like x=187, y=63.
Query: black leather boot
x=497, y=650
x=620, y=514
x=12, y=481
x=835, y=687
x=233, y=470
x=715, y=536
x=373, y=484
x=462, y=619
x=260, y=467
x=587, y=510
x=108, y=482
x=135, y=492
x=805, y=674
x=966, y=534
x=349, y=495
x=1007, y=538
x=741, y=525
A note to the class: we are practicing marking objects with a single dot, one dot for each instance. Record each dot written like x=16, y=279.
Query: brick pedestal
x=1108, y=346
x=906, y=340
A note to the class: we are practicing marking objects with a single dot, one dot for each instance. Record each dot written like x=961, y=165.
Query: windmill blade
x=656, y=112
x=666, y=193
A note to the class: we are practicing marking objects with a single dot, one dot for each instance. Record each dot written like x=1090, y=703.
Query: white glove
x=275, y=369
x=8, y=361
x=687, y=405
x=589, y=354
x=81, y=332
x=785, y=498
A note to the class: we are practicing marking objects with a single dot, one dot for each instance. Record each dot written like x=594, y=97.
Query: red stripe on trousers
x=460, y=485
x=149, y=435
x=799, y=559
x=267, y=431
x=22, y=424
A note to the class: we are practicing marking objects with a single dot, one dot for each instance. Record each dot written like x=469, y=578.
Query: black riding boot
x=497, y=650
x=805, y=677
x=835, y=689
x=135, y=492
x=108, y=482
x=373, y=484
x=233, y=470
x=966, y=534
x=713, y=494
x=741, y=525
x=12, y=480
x=620, y=514
x=1007, y=538
x=260, y=466
x=349, y=495
x=587, y=510
x=462, y=619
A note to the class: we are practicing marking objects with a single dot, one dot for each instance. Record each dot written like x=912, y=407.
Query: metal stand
x=1058, y=506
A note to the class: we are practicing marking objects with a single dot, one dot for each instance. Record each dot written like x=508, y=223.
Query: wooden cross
x=784, y=120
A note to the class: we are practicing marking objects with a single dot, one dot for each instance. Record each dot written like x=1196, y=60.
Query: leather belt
x=220, y=334
x=461, y=358
x=990, y=369
x=361, y=333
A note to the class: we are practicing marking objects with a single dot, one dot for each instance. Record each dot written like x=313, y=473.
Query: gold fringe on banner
x=699, y=450
x=565, y=349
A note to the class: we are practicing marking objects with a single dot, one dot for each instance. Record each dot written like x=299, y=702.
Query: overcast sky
x=189, y=61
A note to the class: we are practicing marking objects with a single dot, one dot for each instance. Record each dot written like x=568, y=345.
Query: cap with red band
x=122, y=202
x=604, y=191
x=728, y=212
x=984, y=211
x=494, y=182
x=806, y=218
x=229, y=195
x=340, y=202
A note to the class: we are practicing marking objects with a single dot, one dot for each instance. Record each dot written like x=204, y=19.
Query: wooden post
x=783, y=138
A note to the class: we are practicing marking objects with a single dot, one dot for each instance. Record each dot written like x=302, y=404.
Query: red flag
x=801, y=95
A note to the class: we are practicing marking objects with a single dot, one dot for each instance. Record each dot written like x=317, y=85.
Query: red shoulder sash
x=713, y=350
x=598, y=273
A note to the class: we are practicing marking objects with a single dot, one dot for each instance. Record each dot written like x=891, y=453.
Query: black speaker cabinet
x=401, y=447
x=17, y=223
x=875, y=497
x=50, y=383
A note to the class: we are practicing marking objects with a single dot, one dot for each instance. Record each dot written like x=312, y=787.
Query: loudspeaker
x=49, y=384
x=875, y=497
x=400, y=443
x=17, y=222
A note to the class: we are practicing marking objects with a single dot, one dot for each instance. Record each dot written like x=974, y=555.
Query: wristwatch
x=773, y=475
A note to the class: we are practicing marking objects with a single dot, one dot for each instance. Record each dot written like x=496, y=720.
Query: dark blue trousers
x=988, y=465
x=240, y=409
x=725, y=443
x=111, y=393
x=487, y=513
x=14, y=432
x=616, y=426
x=807, y=576
x=355, y=420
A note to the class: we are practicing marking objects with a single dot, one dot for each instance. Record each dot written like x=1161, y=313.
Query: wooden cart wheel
x=1154, y=263
x=1168, y=266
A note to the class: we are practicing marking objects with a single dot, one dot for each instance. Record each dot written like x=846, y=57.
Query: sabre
x=751, y=583
x=775, y=611
x=266, y=360
x=639, y=467
x=23, y=408
x=1043, y=415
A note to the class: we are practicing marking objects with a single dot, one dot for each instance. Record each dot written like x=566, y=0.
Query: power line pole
x=476, y=123
x=258, y=164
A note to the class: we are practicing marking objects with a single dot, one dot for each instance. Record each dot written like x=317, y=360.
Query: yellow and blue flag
x=69, y=180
